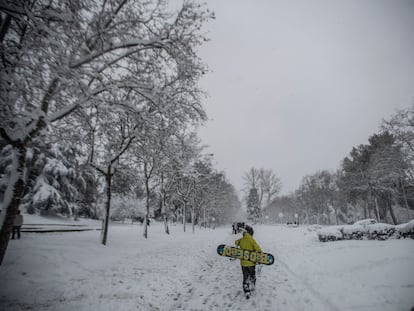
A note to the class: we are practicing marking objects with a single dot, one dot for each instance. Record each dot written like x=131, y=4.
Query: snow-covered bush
x=405, y=230
x=332, y=233
x=366, y=230
x=353, y=232
x=380, y=231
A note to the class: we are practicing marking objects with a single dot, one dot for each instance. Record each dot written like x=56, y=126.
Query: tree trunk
x=404, y=195
x=146, y=226
x=193, y=218
x=147, y=205
x=164, y=210
x=394, y=219
x=184, y=214
x=167, y=230
x=165, y=219
x=377, y=209
x=12, y=197
x=108, y=179
x=365, y=207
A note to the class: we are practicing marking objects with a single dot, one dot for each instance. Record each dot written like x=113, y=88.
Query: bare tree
x=270, y=185
x=112, y=138
x=401, y=125
x=318, y=193
x=251, y=178
x=266, y=182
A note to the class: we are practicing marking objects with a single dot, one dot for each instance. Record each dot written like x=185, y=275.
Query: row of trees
x=371, y=182
x=101, y=99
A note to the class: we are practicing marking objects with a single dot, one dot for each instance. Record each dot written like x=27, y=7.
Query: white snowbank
x=406, y=227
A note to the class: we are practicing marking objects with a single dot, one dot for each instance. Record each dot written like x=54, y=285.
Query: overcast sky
x=294, y=85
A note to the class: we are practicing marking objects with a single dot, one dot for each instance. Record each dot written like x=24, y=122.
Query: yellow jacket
x=247, y=242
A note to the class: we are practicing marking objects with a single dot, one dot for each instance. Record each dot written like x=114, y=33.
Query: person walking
x=247, y=242
x=17, y=224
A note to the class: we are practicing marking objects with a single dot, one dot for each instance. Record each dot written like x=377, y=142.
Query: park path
x=215, y=284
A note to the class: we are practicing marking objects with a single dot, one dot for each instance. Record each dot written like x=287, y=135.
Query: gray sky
x=296, y=84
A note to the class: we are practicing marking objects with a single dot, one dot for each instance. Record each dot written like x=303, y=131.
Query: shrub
x=405, y=230
x=366, y=230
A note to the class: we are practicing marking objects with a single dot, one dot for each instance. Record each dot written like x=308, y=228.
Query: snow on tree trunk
x=12, y=197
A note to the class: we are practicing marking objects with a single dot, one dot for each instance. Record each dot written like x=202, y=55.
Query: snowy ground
x=182, y=271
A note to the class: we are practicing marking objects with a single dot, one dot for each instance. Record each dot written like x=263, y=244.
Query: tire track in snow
x=216, y=284
x=209, y=287
x=306, y=284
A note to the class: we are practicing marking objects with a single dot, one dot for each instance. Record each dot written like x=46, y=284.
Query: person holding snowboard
x=248, y=267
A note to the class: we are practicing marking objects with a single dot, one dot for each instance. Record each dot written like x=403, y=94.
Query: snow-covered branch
x=145, y=44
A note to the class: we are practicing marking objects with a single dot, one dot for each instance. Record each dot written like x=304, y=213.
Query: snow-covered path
x=215, y=284
x=182, y=271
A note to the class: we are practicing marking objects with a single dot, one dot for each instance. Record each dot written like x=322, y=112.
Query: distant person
x=248, y=267
x=234, y=226
x=17, y=224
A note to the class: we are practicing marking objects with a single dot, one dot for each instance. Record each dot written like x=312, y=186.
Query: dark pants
x=249, y=278
x=16, y=230
x=234, y=229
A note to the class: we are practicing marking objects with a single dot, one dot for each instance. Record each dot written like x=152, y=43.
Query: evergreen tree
x=53, y=180
x=253, y=209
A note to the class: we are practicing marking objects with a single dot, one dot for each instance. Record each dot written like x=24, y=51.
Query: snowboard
x=238, y=253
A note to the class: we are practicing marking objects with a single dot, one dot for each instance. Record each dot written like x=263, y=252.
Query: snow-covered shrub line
x=377, y=231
